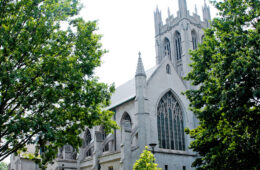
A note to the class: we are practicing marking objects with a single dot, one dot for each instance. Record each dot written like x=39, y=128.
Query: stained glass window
x=170, y=123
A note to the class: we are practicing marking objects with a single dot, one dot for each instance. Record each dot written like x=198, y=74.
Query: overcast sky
x=127, y=27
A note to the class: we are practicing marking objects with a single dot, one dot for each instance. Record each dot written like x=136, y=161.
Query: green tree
x=226, y=69
x=3, y=166
x=48, y=92
x=146, y=161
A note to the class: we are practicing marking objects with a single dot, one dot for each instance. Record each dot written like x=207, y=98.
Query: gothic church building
x=149, y=108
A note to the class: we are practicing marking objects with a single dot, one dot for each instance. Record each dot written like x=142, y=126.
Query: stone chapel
x=149, y=108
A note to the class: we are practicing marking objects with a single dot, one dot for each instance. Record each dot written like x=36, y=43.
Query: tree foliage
x=3, y=166
x=146, y=161
x=226, y=69
x=48, y=92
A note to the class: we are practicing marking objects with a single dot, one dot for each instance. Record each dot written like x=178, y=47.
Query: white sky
x=127, y=27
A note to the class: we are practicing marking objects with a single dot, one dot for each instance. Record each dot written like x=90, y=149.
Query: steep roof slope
x=126, y=91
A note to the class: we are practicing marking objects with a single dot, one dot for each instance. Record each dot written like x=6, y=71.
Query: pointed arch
x=127, y=117
x=194, y=39
x=178, y=48
x=167, y=48
x=170, y=123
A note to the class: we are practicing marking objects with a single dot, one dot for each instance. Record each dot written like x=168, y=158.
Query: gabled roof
x=126, y=91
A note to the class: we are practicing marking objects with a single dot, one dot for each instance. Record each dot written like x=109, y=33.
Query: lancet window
x=168, y=69
x=167, y=48
x=170, y=123
x=178, y=48
x=194, y=40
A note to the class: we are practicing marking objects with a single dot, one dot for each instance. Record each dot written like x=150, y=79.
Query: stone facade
x=135, y=104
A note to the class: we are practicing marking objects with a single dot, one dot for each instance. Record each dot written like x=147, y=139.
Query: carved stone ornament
x=185, y=26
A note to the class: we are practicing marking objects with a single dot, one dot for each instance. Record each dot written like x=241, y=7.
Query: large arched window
x=178, y=49
x=167, y=48
x=170, y=123
x=194, y=39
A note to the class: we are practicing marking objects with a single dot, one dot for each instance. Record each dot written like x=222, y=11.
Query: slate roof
x=126, y=91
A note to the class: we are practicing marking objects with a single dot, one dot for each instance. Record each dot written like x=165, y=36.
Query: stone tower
x=175, y=37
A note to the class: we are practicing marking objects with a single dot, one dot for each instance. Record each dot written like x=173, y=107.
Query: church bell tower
x=177, y=35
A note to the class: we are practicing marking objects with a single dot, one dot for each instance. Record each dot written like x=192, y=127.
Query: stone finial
x=140, y=67
x=169, y=13
x=206, y=12
x=183, y=8
x=196, y=10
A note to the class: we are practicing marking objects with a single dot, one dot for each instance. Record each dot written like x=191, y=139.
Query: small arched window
x=126, y=117
x=170, y=123
x=87, y=137
x=167, y=48
x=168, y=69
x=194, y=39
x=178, y=48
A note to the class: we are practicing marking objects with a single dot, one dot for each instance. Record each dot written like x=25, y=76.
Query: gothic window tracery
x=194, y=39
x=178, y=48
x=170, y=123
x=167, y=48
